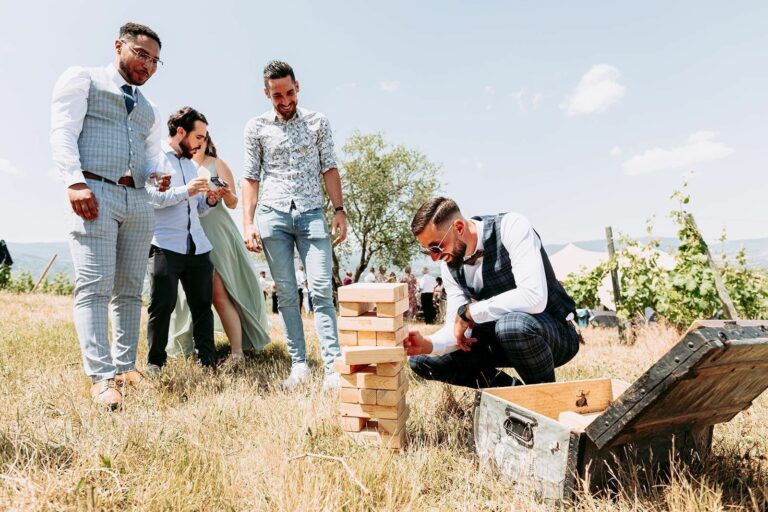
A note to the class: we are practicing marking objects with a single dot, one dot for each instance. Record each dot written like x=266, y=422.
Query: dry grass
x=224, y=442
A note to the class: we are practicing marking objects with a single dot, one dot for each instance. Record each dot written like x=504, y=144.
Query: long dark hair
x=210, y=147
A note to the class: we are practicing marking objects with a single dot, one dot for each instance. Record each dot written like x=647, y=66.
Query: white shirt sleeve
x=443, y=340
x=68, y=107
x=152, y=145
x=524, y=249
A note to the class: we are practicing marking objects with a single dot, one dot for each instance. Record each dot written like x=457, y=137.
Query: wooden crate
x=547, y=436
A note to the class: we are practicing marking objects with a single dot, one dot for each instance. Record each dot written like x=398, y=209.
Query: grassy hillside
x=226, y=441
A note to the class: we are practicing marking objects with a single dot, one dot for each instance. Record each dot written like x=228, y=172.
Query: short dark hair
x=134, y=30
x=437, y=210
x=277, y=69
x=185, y=118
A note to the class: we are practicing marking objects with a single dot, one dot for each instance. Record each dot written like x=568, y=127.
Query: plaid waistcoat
x=113, y=141
x=498, y=275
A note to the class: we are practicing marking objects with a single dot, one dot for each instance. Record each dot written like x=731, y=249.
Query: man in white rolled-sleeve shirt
x=505, y=306
x=105, y=136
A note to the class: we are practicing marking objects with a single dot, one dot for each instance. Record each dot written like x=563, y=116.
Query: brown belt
x=126, y=181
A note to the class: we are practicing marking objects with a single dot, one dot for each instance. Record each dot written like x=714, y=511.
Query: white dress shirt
x=68, y=108
x=301, y=278
x=427, y=283
x=370, y=277
x=530, y=296
x=177, y=214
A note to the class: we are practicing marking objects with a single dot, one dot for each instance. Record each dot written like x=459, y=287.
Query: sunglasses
x=437, y=249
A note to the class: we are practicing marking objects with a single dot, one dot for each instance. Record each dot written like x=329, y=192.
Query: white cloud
x=489, y=90
x=537, y=99
x=389, y=86
x=597, y=90
x=702, y=146
x=6, y=167
x=525, y=100
x=616, y=151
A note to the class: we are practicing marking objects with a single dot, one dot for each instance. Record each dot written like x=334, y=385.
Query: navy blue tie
x=128, y=96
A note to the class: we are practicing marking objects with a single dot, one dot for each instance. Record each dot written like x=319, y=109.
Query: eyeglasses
x=437, y=249
x=143, y=56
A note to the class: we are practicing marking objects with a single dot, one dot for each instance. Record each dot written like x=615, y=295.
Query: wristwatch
x=340, y=208
x=462, y=312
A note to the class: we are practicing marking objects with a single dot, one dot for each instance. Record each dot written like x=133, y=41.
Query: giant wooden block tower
x=373, y=379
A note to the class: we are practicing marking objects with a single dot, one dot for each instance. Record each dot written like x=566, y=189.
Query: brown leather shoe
x=105, y=392
x=134, y=379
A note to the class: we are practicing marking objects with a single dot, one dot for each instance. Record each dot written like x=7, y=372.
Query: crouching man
x=505, y=306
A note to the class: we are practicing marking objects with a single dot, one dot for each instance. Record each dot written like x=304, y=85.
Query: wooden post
x=45, y=273
x=729, y=310
x=614, y=277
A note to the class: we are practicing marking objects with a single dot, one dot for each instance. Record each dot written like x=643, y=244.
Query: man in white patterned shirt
x=287, y=150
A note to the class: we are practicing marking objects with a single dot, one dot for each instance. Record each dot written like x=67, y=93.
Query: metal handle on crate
x=519, y=428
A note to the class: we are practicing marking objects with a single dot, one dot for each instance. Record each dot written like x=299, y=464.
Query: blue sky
x=576, y=114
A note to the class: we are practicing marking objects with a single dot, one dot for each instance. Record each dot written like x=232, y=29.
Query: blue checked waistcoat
x=113, y=141
x=498, y=276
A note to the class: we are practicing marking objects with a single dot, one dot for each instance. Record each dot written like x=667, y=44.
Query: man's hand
x=416, y=344
x=213, y=196
x=83, y=201
x=252, y=238
x=340, y=225
x=196, y=186
x=164, y=182
x=459, y=330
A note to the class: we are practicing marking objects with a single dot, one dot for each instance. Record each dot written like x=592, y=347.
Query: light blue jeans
x=308, y=232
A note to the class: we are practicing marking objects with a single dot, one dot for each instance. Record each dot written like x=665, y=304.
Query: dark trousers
x=301, y=299
x=428, y=307
x=166, y=269
x=534, y=345
x=274, y=302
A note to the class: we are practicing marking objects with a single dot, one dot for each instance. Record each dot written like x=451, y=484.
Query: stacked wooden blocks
x=373, y=379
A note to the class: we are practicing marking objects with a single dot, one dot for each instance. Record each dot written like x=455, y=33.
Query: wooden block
x=373, y=292
x=349, y=395
x=392, y=397
x=367, y=396
x=366, y=338
x=392, y=309
x=354, y=308
x=370, y=322
x=347, y=338
x=372, y=411
x=376, y=438
x=353, y=380
x=340, y=367
x=372, y=355
x=392, y=426
x=391, y=339
x=389, y=369
x=372, y=381
x=352, y=424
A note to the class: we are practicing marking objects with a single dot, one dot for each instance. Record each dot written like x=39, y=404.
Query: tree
x=383, y=187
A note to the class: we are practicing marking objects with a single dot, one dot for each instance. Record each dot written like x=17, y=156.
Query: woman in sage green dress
x=237, y=295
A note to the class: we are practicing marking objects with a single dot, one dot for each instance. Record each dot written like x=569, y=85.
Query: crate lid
x=714, y=372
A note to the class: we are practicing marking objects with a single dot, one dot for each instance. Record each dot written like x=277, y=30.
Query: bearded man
x=505, y=306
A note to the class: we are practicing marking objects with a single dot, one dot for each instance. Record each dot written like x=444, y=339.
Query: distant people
x=370, y=277
x=347, y=279
x=381, y=277
x=105, y=139
x=438, y=299
x=243, y=313
x=273, y=293
x=427, y=285
x=288, y=150
x=180, y=251
x=410, y=280
x=263, y=283
x=301, y=283
x=392, y=278
x=505, y=306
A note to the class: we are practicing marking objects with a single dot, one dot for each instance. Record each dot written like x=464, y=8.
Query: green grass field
x=227, y=441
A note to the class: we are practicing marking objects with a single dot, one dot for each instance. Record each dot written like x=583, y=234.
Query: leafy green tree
x=383, y=187
x=61, y=285
x=748, y=288
x=22, y=283
x=583, y=285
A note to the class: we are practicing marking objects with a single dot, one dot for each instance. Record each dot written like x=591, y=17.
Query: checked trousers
x=534, y=345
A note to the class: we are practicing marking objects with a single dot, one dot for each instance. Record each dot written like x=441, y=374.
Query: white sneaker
x=331, y=382
x=299, y=374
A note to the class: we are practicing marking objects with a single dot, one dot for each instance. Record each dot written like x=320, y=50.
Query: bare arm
x=251, y=235
x=333, y=186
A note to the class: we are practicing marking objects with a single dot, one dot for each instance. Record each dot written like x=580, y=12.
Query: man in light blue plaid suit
x=105, y=135
x=505, y=306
